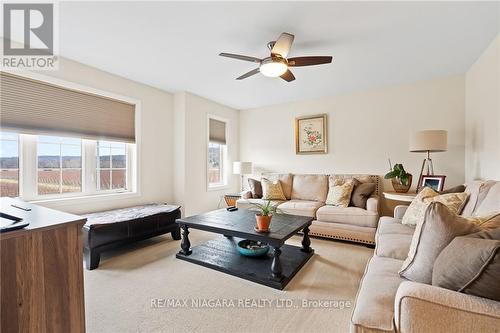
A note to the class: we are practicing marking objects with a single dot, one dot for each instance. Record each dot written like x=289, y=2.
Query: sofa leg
x=92, y=258
x=176, y=234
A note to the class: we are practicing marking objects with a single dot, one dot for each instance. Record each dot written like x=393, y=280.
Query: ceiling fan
x=277, y=64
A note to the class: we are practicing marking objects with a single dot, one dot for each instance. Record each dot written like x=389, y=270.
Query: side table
x=231, y=198
x=404, y=197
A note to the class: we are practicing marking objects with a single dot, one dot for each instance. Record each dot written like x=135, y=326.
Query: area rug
x=144, y=288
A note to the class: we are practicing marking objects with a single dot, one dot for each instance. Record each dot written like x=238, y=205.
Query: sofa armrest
x=372, y=204
x=246, y=195
x=399, y=211
x=424, y=308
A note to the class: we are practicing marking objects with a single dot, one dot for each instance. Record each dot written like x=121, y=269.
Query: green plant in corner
x=399, y=173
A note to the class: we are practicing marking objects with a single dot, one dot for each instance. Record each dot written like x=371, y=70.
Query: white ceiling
x=175, y=46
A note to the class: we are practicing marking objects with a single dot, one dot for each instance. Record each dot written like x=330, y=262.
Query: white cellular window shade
x=217, y=131
x=32, y=106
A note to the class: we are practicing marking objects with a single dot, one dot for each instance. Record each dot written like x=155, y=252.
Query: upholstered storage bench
x=106, y=230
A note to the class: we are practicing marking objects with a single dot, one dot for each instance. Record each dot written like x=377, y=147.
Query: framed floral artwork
x=311, y=134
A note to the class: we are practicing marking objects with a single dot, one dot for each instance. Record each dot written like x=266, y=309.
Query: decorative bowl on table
x=252, y=248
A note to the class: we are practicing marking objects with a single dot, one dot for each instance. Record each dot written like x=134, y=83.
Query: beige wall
x=191, y=134
x=482, y=113
x=156, y=137
x=365, y=129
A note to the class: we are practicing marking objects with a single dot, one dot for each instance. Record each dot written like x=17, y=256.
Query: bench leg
x=92, y=258
x=176, y=234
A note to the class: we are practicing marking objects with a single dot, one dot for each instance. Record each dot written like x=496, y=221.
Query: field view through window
x=9, y=164
x=59, y=165
x=111, y=165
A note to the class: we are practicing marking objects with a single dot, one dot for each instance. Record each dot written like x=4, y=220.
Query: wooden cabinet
x=42, y=272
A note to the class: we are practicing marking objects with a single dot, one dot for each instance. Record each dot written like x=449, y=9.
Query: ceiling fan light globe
x=273, y=69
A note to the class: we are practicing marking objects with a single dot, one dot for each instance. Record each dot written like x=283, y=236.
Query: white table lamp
x=429, y=141
x=242, y=168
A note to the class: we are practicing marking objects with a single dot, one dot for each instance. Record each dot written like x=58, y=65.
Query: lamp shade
x=242, y=168
x=429, y=141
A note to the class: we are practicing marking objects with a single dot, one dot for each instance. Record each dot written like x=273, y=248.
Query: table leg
x=276, y=268
x=185, y=244
x=306, y=241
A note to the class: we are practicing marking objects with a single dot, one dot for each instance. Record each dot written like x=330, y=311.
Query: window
x=215, y=163
x=111, y=165
x=59, y=165
x=216, y=153
x=9, y=165
x=50, y=167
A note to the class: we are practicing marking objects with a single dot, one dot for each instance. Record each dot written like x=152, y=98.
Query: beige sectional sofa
x=387, y=302
x=306, y=196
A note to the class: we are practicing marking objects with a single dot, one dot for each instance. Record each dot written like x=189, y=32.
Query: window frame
x=28, y=161
x=29, y=177
x=224, y=158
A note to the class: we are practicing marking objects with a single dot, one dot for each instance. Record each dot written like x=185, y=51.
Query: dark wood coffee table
x=274, y=270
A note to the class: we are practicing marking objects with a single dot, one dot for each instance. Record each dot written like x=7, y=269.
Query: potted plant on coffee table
x=264, y=215
x=401, y=180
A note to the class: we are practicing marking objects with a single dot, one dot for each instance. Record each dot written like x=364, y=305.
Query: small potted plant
x=264, y=215
x=401, y=180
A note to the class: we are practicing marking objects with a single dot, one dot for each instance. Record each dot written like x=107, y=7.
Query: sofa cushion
x=432, y=235
x=247, y=203
x=310, y=187
x=349, y=215
x=374, y=310
x=471, y=264
x=491, y=202
x=394, y=246
x=477, y=191
x=390, y=225
x=300, y=207
x=286, y=180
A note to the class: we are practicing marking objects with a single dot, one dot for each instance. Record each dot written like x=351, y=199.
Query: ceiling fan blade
x=309, y=61
x=288, y=76
x=252, y=72
x=240, y=57
x=283, y=44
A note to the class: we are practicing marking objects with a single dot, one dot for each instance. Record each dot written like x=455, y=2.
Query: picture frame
x=436, y=182
x=311, y=134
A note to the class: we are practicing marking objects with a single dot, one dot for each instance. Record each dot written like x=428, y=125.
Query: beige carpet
x=119, y=293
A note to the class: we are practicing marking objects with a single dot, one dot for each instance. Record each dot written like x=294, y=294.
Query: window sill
x=217, y=188
x=87, y=199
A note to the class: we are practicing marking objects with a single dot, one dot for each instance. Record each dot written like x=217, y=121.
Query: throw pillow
x=437, y=229
x=361, y=193
x=471, y=264
x=415, y=212
x=339, y=195
x=255, y=188
x=456, y=189
x=271, y=190
x=491, y=221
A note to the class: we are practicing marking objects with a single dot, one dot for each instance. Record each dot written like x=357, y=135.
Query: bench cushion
x=127, y=214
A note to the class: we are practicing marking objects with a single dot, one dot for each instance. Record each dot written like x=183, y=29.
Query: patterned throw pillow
x=339, y=193
x=272, y=190
x=416, y=211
